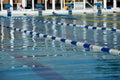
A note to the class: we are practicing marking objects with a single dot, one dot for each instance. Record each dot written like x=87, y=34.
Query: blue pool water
x=27, y=57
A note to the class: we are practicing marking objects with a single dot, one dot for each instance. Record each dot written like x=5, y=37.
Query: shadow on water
x=41, y=70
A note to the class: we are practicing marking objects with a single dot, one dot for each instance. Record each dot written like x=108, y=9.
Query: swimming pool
x=28, y=57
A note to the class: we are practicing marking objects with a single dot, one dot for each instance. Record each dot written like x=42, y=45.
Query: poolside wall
x=58, y=7
x=20, y=1
x=109, y=2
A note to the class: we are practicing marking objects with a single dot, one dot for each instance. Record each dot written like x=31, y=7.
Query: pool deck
x=49, y=12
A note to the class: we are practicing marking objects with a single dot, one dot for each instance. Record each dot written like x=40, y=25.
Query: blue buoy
x=69, y=8
x=8, y=6
x=40, y=12
x=99, y=8
x=69, y=12
x=99, y=11
x=98, y=4
x=108, y=7
x=69, y=5
x=39, y=6
x=9, y=13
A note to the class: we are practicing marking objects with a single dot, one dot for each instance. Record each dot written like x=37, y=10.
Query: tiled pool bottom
x=25, y=57
x=57, y=65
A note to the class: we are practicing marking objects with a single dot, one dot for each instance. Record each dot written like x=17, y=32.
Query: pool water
x=27, y=57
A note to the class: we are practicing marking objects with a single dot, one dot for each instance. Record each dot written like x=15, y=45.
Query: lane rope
x=88, y=20
x=76, y=25
x=91, y=47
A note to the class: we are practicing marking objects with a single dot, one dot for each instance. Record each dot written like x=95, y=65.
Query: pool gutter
x=65, y=12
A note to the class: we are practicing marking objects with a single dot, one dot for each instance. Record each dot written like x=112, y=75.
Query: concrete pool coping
x=50, y=12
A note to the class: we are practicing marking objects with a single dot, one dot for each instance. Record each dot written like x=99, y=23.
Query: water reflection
x=115, y=34
x=95, y=34
x=74, y=64
x=84, y=32
x=46, y=31
x=105, y=40
x=2, y=34
x=84, y=35
x=12, y=38
x=54, y=33
x=74, y=30
x=74, y=34
x=33, y=36
x=24, y=36
x=63, y=34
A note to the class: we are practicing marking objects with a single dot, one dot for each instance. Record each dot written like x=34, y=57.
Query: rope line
x=96, y=16
x=76, y=25
x=91, y=47
x=89, y=20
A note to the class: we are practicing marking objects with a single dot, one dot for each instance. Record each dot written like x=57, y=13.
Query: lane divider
x=76, y=25
x=107, y=21
x=81, y=18
x=96, y=16
x=77, y=18
x=91, y=47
